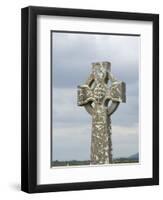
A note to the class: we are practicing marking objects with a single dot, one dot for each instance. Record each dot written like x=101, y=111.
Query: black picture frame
x=29, y=99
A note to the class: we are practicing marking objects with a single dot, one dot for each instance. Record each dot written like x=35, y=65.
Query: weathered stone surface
x=95, y=95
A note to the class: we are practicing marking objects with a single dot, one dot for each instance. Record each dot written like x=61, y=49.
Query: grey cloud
x=74, y=56
x=124, y=146
x=74, y=142
x=66, y=111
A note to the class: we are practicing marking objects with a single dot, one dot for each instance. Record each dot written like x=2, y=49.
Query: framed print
x=90, y=99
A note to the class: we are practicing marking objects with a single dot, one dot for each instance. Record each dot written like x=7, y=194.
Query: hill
x=134, y=156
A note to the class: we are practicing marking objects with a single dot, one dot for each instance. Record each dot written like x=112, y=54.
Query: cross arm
x=117, y=92
x=85, y=95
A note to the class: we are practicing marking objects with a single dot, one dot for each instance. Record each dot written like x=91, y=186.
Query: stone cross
x=101, y=95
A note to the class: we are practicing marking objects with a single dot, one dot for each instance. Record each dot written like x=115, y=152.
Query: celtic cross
x=101, y=95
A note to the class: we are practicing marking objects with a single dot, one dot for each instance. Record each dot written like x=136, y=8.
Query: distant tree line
x=87, y=162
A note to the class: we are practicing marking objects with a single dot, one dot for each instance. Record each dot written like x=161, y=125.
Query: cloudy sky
x=72, y=55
